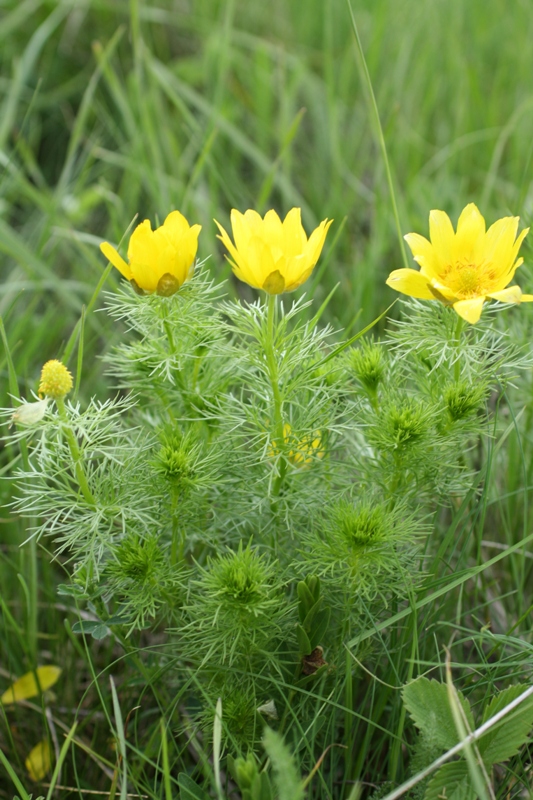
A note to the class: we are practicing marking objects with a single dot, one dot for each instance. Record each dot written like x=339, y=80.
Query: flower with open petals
x=302, y=452
x=270, y=254
x=161, y=260
x=464, y=268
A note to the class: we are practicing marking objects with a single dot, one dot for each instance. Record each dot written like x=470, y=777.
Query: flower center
x=467, y=280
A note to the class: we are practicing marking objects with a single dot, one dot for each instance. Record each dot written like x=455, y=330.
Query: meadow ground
x=112, y=109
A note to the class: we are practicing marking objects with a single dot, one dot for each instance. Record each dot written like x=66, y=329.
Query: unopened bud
x=56, y=380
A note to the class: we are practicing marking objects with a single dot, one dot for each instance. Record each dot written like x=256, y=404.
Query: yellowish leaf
x=26, y=686
x=39, y=761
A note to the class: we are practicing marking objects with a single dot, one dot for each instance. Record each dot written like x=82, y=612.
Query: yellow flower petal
x=116, y=259
x=499, y=244
x=142, y=246
x=526, y=298
x=470, y=236
x=423, y=253
x=411, y=282
x=470, y=310
x=294, y=237
x=512, y=294
x=441, y=234
x=26, y=687
x=176, y=226
x=39, y=761
x=146, y=276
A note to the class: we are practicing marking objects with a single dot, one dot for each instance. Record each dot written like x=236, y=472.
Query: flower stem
x=75, y=452
x=457, y=342
x=274, y=382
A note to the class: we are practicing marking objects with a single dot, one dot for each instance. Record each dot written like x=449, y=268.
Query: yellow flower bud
x=56, y=380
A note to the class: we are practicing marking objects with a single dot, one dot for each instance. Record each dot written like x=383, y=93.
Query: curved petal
x=423, y=253
x=146, y=277
x=470, y=236
x=294, y=236
x=296, y=282
x=273, y=230
x=316, y=241
x=442, y=234
x=411, y=282
x=116, y=259
x=512, y=294
x=470, y=310
x=226, y=241
x=144, y=245
x=500, y=244
x=175, y=225
x=519, y=239
x=241, y=227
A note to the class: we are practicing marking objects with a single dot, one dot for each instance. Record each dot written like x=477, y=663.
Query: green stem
x=457, y=341
x=170, y=338
x=28, y=558
x=274, y=382
x=379, y=134
x=75, y=452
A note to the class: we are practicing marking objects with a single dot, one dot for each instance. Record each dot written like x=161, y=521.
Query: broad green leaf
x=450, y=782
x=303, y=641
x=189, y=790
x=100, y=632
x=39, y=761
x=428, y=704
x=26, y=687
x=85, y=626
x=507, y=736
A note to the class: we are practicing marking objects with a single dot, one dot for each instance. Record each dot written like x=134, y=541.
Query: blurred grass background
x=111, y=109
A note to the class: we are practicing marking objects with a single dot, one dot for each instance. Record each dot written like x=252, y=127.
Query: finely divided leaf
x=507, y=737
x=428, y=704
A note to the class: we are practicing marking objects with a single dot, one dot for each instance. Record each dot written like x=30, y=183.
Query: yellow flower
x=464, y=268
x=56, y=380
x=302, y=451
x=270, y=254
x=161, y=260
x=39, y=761
x=27, y=687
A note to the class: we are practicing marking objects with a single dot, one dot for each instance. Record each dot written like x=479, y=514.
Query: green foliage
x=429, y=705
x=253, y=783
x=286, y=778
x=453, y=779
x=235, y=607
x=506, y=738
x=113, y=110
x=463, y=399
x=368, y=365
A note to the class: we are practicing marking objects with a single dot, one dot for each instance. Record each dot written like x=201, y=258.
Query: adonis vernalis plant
x=263, y=490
